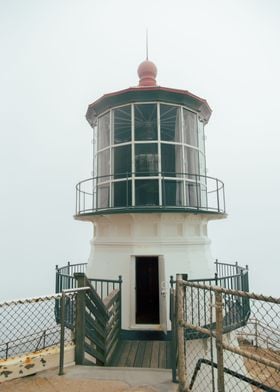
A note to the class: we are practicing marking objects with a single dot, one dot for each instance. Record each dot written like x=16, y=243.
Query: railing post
x=173, y=351
x=80, y=320
x=216, y=262
x=256, y=334
x=127, y=190
x=97, y=195
x=163, y=193
x=219, y=340
x=181, y=335
x=7, y=350
x=224, y=198
x=218, y=198
x=196, y=186
x=56, y=279
x=120, y=311
x=84, y=201
x=62, y=330
x=79, y=198
x=44, y=339
x=172, y=281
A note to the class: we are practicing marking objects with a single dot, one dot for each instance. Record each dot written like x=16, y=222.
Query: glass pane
x=170, y=123
x=103, y=196
x=122, y=194
x=146, y=159
x=203, y=197
x=191, y=161
x=192, y=194
x=202, y=166
x=122, y=161
x=146, y=192
x=172, y=193
x=103, y=166
x=201, y=143
x=103, y=131
x=190, y=128
x=145, y=122
x=171, y=159
x=122, y=124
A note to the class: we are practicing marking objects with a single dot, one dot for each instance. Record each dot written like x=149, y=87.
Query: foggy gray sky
x=57, y=56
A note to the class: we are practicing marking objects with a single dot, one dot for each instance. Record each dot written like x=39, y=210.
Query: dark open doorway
x=147, y=290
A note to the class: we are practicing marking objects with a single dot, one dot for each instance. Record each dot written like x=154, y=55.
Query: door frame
x=162, y=299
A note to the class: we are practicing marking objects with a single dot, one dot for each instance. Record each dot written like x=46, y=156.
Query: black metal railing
x=197, y=300
x=28, y=325
x=237, y=310
x=29, y=343
x=65, y=280
x=154, y=190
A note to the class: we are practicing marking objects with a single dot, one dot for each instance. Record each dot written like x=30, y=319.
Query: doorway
x=147, y=290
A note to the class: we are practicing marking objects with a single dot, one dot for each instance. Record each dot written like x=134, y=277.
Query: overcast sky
x=57, y=56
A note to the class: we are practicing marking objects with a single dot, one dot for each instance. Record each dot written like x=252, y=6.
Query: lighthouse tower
x=150, y=199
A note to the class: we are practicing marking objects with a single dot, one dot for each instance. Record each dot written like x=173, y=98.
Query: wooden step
x=142, y=353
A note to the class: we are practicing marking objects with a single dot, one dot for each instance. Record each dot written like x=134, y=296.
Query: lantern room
x=149, y=152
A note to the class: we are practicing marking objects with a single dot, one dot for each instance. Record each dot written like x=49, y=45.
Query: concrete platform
x=94, y=379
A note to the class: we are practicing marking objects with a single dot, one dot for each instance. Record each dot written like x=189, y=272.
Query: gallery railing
x=64, y=277
x=153, y=190
x=196, y=301
x=65, y=280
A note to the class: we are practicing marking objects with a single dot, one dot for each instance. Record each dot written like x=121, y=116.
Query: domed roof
x=147, y=72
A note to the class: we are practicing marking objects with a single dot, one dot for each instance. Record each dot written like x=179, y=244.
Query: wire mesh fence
x=231, y=339
x=33, y=324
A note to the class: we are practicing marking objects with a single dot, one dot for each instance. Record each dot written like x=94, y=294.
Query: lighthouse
x=150, y=199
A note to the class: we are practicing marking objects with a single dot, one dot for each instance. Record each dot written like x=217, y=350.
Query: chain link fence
x=228, y=340
x=30, y=325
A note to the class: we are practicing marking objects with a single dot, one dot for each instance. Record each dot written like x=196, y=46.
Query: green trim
x=134, y=95
x=129, y=210
x=144, y=335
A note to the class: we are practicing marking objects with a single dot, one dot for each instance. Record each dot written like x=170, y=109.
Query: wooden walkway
x=143, y=354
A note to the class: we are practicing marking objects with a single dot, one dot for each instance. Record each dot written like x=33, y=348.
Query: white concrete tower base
x=179, y=240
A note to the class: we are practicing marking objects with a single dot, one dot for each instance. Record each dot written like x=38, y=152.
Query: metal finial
x=147, y=44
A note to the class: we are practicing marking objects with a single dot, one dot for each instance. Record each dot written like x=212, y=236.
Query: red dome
x=147, y=72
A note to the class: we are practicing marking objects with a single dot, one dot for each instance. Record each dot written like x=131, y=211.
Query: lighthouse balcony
x=150, y=191
x=198, y=298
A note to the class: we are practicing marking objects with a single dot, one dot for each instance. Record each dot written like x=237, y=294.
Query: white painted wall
x=181, y=242
x=179, y=238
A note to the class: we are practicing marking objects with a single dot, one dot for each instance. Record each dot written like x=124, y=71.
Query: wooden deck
x=143, y=354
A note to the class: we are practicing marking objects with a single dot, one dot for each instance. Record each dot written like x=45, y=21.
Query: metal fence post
x=256, y=333
x=80, y=321
x=218, y=196
x=62, y=330
x=173, y=351
x=56, y=279
x=219, y=340
x=120, y=288
x=181, y=335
